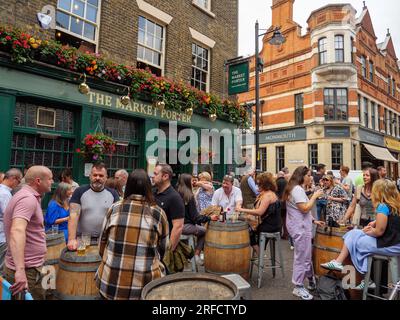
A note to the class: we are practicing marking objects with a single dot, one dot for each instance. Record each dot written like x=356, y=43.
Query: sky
x=384, y=14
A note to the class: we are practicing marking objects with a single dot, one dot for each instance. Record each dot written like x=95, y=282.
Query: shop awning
x=380, y=153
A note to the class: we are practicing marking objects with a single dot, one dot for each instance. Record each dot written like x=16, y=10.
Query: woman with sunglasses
x=337, y=199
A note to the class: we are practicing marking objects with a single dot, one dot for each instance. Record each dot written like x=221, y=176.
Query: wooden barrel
x=190, y=286
x=327, y=246
x=75, y=279
x=227, y=249
x=55, y=244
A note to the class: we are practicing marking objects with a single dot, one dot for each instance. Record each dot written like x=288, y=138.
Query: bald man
x=121, y=176
x=25, y=234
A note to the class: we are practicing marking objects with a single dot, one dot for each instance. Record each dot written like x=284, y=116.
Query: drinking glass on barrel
x=81, y=250
x=86, y=238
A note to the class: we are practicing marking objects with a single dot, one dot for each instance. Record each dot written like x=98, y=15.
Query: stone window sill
x=208, y=12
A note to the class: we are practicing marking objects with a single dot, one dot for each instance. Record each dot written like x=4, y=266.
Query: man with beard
x=89, y=205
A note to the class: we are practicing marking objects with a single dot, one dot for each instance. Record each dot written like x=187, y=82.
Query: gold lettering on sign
x=91, y=96
x=109, y=101
x=100, y=99
x=136, y=107
x=119, y=105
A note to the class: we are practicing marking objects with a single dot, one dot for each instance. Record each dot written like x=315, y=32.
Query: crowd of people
x=135, y=219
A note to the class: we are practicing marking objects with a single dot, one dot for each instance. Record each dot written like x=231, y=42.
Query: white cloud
x=383, y=16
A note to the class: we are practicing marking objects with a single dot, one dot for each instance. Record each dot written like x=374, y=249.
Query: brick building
x=186, y=41
x=329, y=96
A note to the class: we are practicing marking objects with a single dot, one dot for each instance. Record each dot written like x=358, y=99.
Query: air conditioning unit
x=46, y=117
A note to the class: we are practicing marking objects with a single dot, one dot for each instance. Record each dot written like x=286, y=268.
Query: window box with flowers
x=95, y=147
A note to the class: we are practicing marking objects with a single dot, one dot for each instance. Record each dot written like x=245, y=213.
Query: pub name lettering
x=136, y=107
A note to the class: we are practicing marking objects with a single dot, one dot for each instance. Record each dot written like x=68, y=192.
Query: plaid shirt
x=134, y=239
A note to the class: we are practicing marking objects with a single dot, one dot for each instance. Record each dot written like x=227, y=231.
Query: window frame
x=263, y=160
x=299, y=109
x=373, y=115
x=207, y=8
x=73, y=15
x=208, y=83
x=364, y=67
x=335, y=165
x=339, y=50
x=279, y=150
x=335, y=105
x=371, y=71
x=323, y=53
x=312, y=155
x=164, y=39
x=393, y=87
x=366, y=112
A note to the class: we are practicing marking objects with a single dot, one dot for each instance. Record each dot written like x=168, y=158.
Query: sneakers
x=333, y=265
x=302, y=292
x=312, y=284
x=361, y=286
x=198, y=260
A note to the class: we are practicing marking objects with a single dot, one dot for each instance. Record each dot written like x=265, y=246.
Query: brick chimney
x=282, y=12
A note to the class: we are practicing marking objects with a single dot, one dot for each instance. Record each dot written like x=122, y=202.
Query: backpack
x=330, y=288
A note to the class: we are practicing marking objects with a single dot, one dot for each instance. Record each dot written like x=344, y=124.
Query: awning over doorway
x=380, y=153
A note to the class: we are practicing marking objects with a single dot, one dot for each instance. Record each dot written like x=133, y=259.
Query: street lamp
x=277, y=40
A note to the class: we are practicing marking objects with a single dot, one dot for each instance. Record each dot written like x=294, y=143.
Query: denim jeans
x=321, y=204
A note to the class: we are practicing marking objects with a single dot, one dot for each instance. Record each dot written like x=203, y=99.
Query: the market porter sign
x=238, y=78
x=137, y=107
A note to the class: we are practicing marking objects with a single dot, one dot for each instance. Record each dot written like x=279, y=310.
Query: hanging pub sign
x=238, y=78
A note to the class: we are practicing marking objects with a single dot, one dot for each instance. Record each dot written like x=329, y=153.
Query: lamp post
x=277, y=40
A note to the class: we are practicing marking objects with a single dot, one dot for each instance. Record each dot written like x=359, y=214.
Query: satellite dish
x=44, y=20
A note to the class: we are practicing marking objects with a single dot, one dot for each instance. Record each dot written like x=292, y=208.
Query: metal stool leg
x=278, y=244
x=394, y=269
x=377, y=276
x=367, y=278
x=261, y=260
x=273, y=262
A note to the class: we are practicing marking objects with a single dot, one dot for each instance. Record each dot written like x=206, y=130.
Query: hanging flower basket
x=96, y=146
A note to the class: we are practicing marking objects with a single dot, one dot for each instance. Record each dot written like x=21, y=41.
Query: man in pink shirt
x=25, y=234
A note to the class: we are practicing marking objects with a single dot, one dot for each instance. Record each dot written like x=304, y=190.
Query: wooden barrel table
x=327, y=245
x=55, y=244
x=227, y=249
x=75, y=279
x=191, y=286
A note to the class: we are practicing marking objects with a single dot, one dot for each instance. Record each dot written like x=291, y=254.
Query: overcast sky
x=384, y=14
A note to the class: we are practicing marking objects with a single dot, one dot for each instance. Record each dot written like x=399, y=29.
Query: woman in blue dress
x=381, y=236
x=58, y=210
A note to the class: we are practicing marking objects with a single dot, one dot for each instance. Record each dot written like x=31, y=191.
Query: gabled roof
x=366, y=22
x=388, y=47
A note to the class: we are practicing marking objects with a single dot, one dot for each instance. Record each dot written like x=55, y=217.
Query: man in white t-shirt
x=228, y=197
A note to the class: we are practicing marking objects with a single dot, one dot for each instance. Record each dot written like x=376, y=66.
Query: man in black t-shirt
x=170, y=201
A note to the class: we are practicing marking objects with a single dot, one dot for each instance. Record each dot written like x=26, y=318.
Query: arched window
x=323, y=51
x=339, y=48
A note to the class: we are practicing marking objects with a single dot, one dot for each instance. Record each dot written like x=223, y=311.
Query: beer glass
x=86, y=238
x=54, y=229
x=81, y=251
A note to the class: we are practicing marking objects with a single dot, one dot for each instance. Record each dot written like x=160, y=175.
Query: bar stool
x=274, y=238
x=190, y=239
x=242, y=285
x=377, y=260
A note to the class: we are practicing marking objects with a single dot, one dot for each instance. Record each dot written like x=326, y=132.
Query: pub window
x=150, y=52
x=379, y=118
x=384, y=120
x=280, y=158
x=366, y=113
x=339, y=48
x=323, y=51
x=312, y=156
x=392, y=122
x=373, y=116
x=200, y=67
x=371, y=71
x=337, y=156
x=78, y=18
x=299, y=108
x=336, y=104
x=363, y=67
x=395, y=125
x=126, y=134
x=388, y=125
x=263, y=155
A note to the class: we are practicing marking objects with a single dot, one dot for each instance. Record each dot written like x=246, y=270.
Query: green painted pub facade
x=43, y=119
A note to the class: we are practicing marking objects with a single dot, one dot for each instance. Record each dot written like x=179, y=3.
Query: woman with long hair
x=57, y=212
x=363, y=198
x=193, y=220
x=133, y=242
x=299, y=223
x=267, y=208
x=381, y=236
